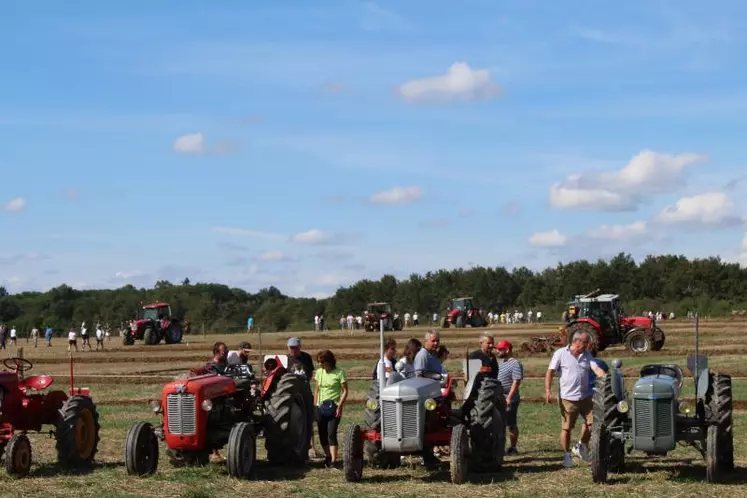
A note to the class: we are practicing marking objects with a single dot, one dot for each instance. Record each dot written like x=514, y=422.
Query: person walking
x=48, y=336
x=510, y=375
x=573, y=365
x=330, y=396
x=14, y=336
x=72, y=340
x=35, y=336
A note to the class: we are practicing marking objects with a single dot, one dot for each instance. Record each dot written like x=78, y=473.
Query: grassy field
x=124, y=378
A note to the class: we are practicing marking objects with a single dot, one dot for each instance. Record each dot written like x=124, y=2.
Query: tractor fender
x=646, y=332
x=618, y=387
x=703, y=383
x=590, y=321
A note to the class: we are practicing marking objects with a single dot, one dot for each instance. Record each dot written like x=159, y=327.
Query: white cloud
x=552, y=238
x=245, y=232
x=29, y=257
x=647, y=172
x=275, y=255
x=619, y=232
x=709, y=209
x=397, y=195
x=15, y=205
x=191, y=143
x=312, y=236
x=460, y=82
x=127, y=275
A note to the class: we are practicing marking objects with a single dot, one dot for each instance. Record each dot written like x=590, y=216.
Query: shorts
x=72, y=342
x=570, y=410
x=512, y=412
x=100, y=341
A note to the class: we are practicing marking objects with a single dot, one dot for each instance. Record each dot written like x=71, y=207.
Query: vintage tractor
x=154, y=324
x=376, y=312
x=208, y=411
x=24, y=408
x=654, y=420
x=461, y=312
x=410, y=416
x=602, y=317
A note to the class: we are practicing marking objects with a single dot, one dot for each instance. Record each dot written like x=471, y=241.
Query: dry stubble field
x=123, y=379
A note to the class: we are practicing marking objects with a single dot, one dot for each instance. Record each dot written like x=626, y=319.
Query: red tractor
x=24, y=408
x=375, y=312
x=154, y=324
x=602, y=317
x=207, y=411
x=461, y=312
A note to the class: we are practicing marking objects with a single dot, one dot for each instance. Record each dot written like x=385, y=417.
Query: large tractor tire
x=127, y=339
x=286, y=422
x=141, y=450
x=488, y=426
x=397, y=324
x=593, y=332
x=77, y=432
x=150, y=337
x=720, y=407
x=658, y=345
x=372, y=420
x=17, y=455
x=637, y=341
x=460, y=322
x=444, y=323
x=607, y=414
x=241, y=450
x=174, y=333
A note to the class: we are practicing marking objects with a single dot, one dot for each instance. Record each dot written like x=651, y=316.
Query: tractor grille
x=410, y=424
x=653, y=417
x=181, y=414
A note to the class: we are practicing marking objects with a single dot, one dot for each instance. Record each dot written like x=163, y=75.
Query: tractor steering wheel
x=15, y=364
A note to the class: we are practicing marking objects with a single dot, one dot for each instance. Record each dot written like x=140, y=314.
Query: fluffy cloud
x=313, y=236
x=619, y=232
x=397, y=195
x=712, y=209
x=553, y=238
x=246, y=232
x=191, y=143
x=275, y=255
x=647, y=172
x=460, y=82
x=15, y=205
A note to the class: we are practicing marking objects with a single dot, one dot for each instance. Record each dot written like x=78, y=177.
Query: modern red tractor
x=376, y=312
x=207, y=411
x=154, y=324
x=26, y=408
x=602, y=317
x=462, y=312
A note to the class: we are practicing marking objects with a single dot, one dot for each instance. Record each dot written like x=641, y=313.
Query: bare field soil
x=124, y=378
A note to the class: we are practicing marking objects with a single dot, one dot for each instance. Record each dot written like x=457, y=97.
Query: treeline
x=666, y=283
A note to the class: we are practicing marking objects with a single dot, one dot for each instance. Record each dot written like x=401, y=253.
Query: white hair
x=485, y=337
x=430, y=333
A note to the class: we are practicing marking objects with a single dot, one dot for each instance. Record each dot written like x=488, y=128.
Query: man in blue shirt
x=426, y=362
x=250, y=324
x=48, y=336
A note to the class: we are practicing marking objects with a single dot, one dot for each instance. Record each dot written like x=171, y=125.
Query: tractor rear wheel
x=150, y=338
x=488, y=426
x=173, y=334
x=286, y=422
x=638, y=342
x=352, y=454
x=17, y=455
x=459, y=457
x=720, y=406
x=372, y=420
x=141, y=450
x=77, y=432
x=713, y=464
x=397, y=324
x=605, y=410
x=241, y=450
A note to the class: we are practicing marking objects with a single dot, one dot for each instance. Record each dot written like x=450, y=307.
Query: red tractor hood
x=637, y=321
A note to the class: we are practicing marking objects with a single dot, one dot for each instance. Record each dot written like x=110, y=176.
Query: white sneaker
x=583, y=452
x=567, y=460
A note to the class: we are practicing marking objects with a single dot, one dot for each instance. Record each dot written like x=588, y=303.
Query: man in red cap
x=510, y=375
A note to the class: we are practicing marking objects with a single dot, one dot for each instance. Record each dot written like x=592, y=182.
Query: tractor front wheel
x=17, y=455
x=459, y=458
x=459, y=322
x=638, y=342
x=242, y=450
x=713, y=460
x=77, y=432
x=141, y=450
x=599, y=446
x=352, y=453
x=150, y=337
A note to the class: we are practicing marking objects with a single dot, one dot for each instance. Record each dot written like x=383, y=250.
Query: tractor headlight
x=623, y=407
x=430, y=404
x=207, y=405
x=372, y=404
x=685, y=407
x=155, y=405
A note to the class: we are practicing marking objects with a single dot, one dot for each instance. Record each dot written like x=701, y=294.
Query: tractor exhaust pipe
x=381, y=370
x=697, y=351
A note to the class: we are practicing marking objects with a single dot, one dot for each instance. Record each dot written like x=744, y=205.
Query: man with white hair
x=486, y=356
x=426, y=361
x=573, y=364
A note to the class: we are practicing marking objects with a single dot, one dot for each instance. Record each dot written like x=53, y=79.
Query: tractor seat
x=35, y=383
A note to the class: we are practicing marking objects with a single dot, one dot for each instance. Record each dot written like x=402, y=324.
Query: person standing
x=510, y=375
x=249, y=324
x=330, y=395
x=573, y=365
x=486, y=356
x=72, y=340
x=99, y=338
x=48, y=336
x=3, y=335
x=299, y=362
x=13, y=336
x=415, y=321
x=35, y=336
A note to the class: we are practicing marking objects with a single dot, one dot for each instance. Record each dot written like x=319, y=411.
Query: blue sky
x=307, y=145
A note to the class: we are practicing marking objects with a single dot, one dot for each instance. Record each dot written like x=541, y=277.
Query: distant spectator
x=330, y=395
x=250, y=324
x=48, y=333
x=13, y=336
x=415, y=321
x=72, y=339
x=99, y=338
x=35, y=336
x=3, y=335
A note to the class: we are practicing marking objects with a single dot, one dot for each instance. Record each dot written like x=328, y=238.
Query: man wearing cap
x=510, y=375
x=240, y=356
x=485, y=355
x=299, y=362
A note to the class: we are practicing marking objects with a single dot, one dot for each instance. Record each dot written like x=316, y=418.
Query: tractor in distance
x=603, y=318
x=377, y=312
x=462, y=312
x=654, y=419
x=154, y=323
x=26, y=408
x=207, y=411
x=411, y=415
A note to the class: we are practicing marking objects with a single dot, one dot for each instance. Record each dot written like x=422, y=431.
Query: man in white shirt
x=415, y=321
x=539, y=316
x=407, y=320
x=35, y=336
x=99, y=338
x=316, y=323
x=13, y=335
x=72, y=340
x=573, y=364
x=240, y=356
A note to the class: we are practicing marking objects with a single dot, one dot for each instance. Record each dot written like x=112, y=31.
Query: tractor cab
x=155, y=312
x=603, y=309
x=462, y=303
x=379, y=309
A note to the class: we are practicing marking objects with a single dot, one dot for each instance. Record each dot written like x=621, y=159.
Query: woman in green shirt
x=330, y=395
